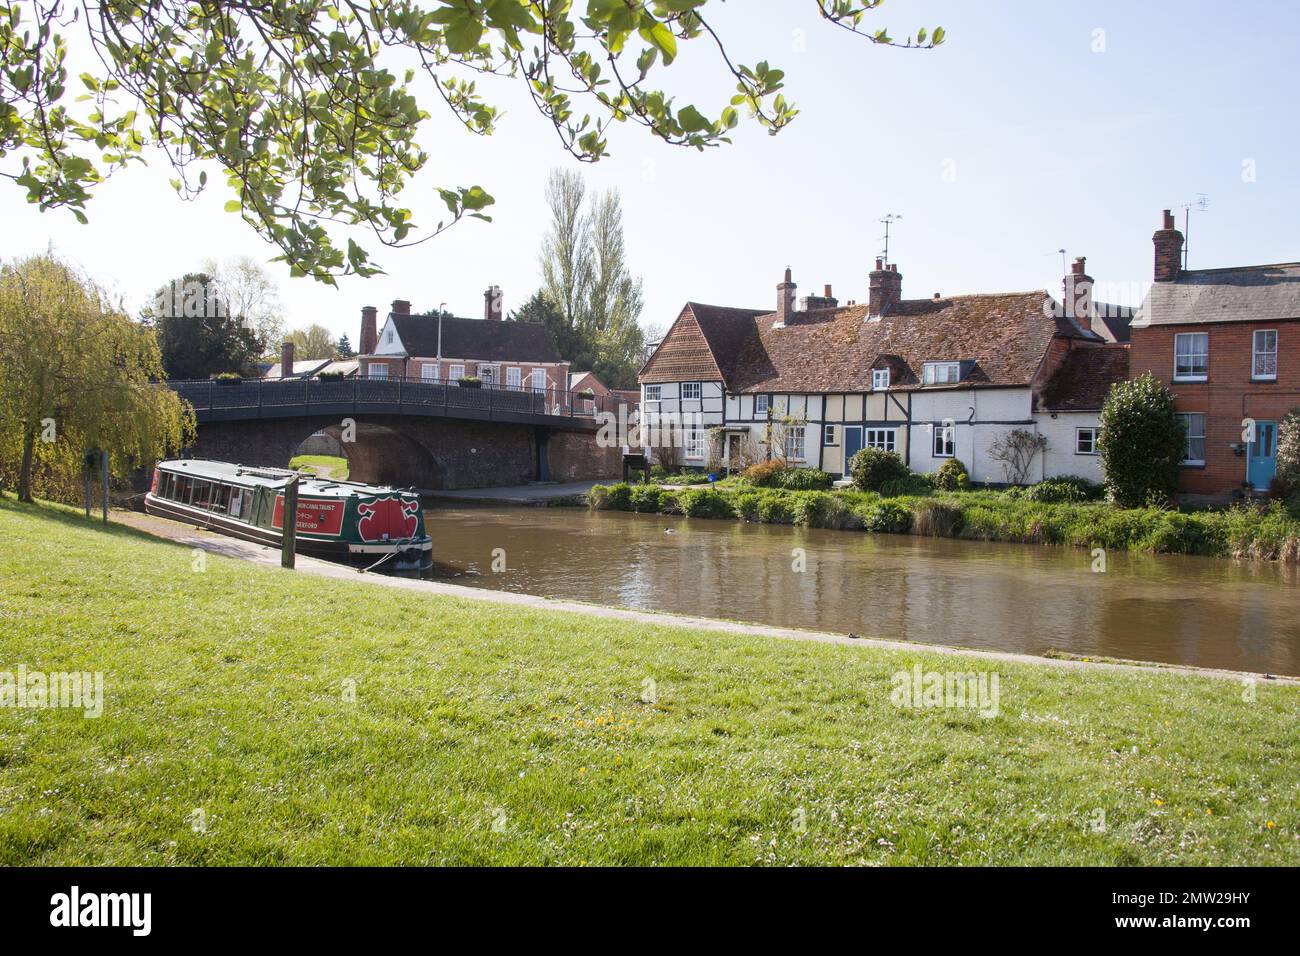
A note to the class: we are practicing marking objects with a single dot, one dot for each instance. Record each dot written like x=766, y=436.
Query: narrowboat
x=368, y=525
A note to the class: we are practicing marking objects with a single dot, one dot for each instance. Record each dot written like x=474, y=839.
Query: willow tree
x=311, y=110
x=77, y=374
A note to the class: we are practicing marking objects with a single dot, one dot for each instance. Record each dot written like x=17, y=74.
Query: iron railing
x=411, y=395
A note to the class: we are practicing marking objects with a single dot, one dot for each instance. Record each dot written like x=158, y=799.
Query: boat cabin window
x=221, y=498
x=237, y=502
x=184, y=484
x=202, y=493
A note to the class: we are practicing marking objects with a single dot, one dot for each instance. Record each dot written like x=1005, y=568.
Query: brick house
x=1227, y=342
x=930, y=379
x=514, y=355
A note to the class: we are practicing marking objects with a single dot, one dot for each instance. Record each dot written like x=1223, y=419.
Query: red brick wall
x=1227, y=396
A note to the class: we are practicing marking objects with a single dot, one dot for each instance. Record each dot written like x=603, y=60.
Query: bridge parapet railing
x=228, y=395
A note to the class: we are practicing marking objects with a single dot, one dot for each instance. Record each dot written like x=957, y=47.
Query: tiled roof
x=1112, y=321
x=1084, y=379
x=1001, y=339
x=480, y=339
x=1246, y=294
x=302, y=369
x=701, y=344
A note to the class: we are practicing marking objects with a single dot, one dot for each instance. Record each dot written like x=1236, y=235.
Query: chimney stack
x=286, y=359
x=369, y=330
x=401, y=307
x=492, y=304
x=1169, y=250
x=826, y=300
x=1078, y=293
x=885, y=289
x=785, y=299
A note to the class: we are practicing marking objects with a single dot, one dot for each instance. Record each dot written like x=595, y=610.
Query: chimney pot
x=401, y=307
x=828, y=291
x=1169, y=219
x=880, y=263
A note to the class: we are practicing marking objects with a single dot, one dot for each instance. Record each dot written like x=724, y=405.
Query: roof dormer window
x=941, y=373
x=879, y=379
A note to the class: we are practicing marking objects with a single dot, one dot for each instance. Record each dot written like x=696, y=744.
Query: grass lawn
x=483, y=733
x=327, y=466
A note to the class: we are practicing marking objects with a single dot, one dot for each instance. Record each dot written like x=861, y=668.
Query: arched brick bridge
x=405, y=432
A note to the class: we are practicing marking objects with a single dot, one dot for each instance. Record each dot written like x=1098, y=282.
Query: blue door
x=1263, y=456
x=852, y=444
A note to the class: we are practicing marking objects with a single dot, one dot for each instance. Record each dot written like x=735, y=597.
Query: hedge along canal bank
x=1022, y=599
x=470, y=588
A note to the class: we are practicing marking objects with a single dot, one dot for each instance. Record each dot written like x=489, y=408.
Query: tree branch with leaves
x=303, y=106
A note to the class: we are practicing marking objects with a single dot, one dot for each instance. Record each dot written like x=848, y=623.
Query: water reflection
x=1202, y=611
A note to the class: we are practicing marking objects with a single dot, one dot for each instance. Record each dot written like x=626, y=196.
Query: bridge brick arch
x=409, y=433
x=430, y=454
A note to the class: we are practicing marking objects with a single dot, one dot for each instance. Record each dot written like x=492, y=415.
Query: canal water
x=1024, y=598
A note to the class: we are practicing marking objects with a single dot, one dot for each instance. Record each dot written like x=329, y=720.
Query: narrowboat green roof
x=251, y=476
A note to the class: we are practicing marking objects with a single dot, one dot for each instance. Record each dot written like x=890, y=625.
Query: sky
x=1037, y=126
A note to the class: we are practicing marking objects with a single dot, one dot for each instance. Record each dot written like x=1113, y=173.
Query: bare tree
x=251, y=295
x=1016, y=450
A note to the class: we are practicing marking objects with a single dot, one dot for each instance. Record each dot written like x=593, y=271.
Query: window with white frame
x=653, y=392
x=490, y=374
x=945, y=441
x=690, y=390
x=794, y=443
x=514, y=377
x=941, y=373
x=829, y=436
x=456, y=373
x=760, y=406
x=1264, y=361
x=429, y=373
x=883, y=438
x=1085, y=441
x=1191, y=356
x=695, y=439
x=537, y=380
x=1195, y=424
x=378, y=370
x=879, y=379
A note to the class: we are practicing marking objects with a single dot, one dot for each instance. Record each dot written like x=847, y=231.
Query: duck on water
x=369, y=525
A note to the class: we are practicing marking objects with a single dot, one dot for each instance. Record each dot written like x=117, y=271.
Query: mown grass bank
x=1266, y=532
x=484, y=733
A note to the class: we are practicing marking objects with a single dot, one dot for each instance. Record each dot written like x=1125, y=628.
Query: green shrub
x=706, y=503
x=670, y=502
x=469, y=381
x=1142, y=442
x=658, y=472
x=887, y=517
x=763, y=474
x=620, y=497
x=775, y=508
x=913, y=484
x=1066, y=488
x=598, y=497
x=687, y=478
x=802, y=479
x=952, y=476
x=645, y=499
x=746, y=505
x=872, y=467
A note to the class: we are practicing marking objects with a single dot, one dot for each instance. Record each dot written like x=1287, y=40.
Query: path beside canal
x=212, y=542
